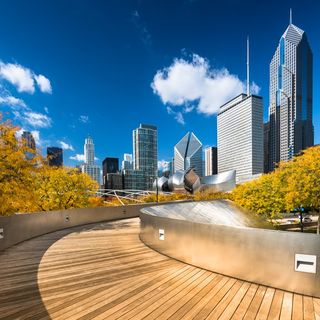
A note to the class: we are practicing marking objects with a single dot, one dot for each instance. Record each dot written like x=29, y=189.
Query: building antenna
x=248, y=68
x=290, y=21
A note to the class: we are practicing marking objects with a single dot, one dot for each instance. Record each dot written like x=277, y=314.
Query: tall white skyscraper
x=211, y=157
x=89, y=151
x=291, y=96
x=89, y=167
x=188, y=154
x=240, y=137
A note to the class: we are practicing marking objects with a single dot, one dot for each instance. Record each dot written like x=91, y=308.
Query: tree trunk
x=318, y=226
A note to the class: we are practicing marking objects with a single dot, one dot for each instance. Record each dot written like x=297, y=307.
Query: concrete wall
x=20, y=227
x=257, y=255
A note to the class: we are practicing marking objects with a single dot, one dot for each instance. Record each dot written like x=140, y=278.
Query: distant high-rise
x=145, y=152
x=291, y=96
x=89, y=151
x=211, y=161
x=55, y=156
x=29, y=141
x=109, y=165
x=127, y=163
x=188, y=154
x=89, y=167
x=240, y=137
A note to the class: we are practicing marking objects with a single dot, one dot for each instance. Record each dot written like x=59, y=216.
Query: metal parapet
x=221, y=237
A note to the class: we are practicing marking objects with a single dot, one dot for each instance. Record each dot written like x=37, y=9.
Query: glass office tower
x=145, y=152
x=290, y=109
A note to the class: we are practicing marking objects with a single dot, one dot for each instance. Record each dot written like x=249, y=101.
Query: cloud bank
x=194, y=84
x=80, y=157
x=65, y=146
x=23, y=78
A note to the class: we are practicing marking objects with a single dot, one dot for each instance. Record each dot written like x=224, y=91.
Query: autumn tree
x=17, y=171
x=293, y=184
x=62, y=188
x=28, y=184
x=304, y=181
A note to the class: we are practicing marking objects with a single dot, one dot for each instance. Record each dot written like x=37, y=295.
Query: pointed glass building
x=188, y=154
x=290, y=109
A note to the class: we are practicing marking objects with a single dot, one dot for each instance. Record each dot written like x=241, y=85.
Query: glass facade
x=145, y=153
x=291, y=97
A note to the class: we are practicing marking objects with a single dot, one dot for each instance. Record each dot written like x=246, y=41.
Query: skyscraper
x=89, y=167
x=290, y=109
x=127, y=162
x=29, y=140
x=88, y=151
x=145, y=152
x=211, y=161
x=240, y=137
x=55, y=156
x=188, y=154
x=109, y=165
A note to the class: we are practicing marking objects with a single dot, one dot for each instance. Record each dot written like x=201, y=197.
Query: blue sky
x=73, y=68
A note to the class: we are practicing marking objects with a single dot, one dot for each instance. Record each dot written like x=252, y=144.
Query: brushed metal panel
x=262, y=256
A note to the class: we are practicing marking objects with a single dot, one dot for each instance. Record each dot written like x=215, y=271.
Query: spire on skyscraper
x=248, y=68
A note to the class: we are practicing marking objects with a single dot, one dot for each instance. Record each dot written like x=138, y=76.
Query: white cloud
x=19, y=76
x=46, y=109
x=194, y=81
x=43, y=83
x=255, y=89
x=23, y=78
x=19, y=133
x=163, y=165
x=12, y=101
x=80, y=157
x=177, y=115
x=35, y=119
x=84, y=119
x=36, y=136
x=66, y=146
x=144, y=33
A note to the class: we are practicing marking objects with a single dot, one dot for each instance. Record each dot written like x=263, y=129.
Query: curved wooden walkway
x=103, y=271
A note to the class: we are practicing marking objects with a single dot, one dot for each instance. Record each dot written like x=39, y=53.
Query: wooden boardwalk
x=103, y=271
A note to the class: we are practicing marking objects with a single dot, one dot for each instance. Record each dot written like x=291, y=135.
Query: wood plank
x=276, y=305
x=243, y=306
x=235, y=302
x=297, y=307
x=308, y=311
x=255, y=303
x=316, y=307
x=266, y=304
x=286, y=310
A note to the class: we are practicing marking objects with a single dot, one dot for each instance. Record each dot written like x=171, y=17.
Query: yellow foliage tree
x=27, y=184
x=293, y=184
x=304, y=181
x=62, y=188
x=17, y=171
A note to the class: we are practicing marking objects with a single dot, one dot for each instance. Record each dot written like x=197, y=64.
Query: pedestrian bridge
x=104, y=271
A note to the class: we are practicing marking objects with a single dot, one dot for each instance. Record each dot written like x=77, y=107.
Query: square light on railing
x=306, y=263
x=161, y=234
x=1, y=233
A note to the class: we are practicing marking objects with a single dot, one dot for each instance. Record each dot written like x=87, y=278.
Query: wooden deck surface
x=103, y=271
